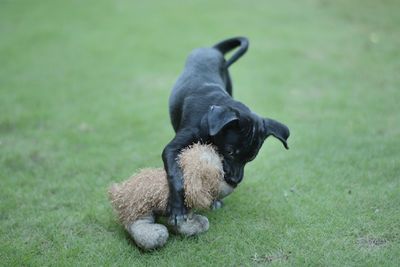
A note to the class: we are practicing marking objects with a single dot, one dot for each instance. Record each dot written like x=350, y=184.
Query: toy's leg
x=194, y=225
x=147, y=234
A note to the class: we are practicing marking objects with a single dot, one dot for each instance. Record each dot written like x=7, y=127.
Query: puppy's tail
x=229, y=44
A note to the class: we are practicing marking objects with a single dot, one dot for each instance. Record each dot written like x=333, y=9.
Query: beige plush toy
x=144, y=196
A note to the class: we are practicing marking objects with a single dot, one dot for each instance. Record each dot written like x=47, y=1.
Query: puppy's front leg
x=176, y=205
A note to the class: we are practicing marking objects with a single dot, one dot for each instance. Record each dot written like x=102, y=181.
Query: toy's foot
x=147, y=234
x=217, y=204
x=194, y=225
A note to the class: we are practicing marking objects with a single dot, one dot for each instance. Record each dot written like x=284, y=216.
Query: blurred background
x=84, y=88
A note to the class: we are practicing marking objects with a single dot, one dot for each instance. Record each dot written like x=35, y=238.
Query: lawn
x=84, y=87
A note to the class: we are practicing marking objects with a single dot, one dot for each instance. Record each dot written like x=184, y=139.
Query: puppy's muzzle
x=233, y=173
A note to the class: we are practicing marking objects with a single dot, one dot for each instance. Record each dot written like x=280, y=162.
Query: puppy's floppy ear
x=218, y=117
x=276, y=129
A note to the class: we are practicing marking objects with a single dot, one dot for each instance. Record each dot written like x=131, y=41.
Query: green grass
x=83, y=102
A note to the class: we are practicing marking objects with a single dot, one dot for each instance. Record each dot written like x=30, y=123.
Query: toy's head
x=203, y=176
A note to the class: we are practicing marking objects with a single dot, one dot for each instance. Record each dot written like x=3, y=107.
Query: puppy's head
x=239, y=135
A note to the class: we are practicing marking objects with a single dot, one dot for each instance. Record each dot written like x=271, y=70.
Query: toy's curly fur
x=146, y=193
x=203, y=172
x=140, y=195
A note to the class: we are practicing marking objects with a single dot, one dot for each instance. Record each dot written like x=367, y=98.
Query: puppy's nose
x=234, y=180
x=231, y=182
x=233, y=174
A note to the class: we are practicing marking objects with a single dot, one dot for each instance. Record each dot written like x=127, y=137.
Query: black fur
x=202, y=109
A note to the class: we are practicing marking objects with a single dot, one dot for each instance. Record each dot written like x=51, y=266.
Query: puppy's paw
x=177, y=215
x=217, y=204
x=176, y=220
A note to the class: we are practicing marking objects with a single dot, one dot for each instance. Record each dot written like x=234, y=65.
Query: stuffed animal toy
x=143, y=198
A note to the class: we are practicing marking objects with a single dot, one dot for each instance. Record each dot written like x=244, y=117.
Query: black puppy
x=202, y=110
